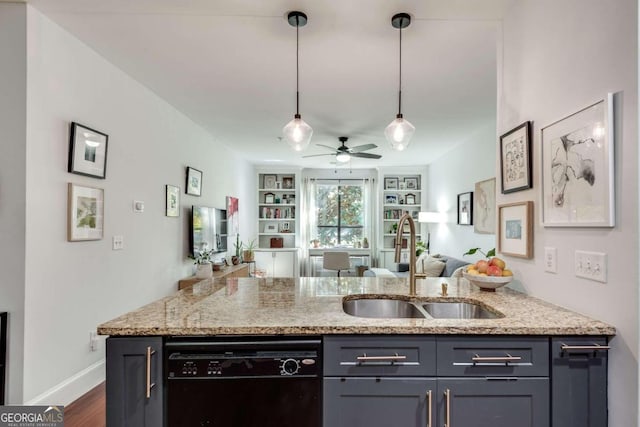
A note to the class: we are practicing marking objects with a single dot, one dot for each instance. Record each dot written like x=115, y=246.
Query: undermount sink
x=388, y=308
x=457, y=310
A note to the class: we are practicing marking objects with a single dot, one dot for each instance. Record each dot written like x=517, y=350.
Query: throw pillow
x=420, y=262
x=433, y=267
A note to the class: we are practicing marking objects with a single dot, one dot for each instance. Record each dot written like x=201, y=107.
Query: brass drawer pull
x=365, y=358
x=594, y=347
x=502, y=359
x=150, y=385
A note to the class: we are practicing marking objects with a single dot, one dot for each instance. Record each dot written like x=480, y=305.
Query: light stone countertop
x=313, y=305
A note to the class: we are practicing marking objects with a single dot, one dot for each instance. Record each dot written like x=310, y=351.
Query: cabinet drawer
x=494, y=356
x=379, y=356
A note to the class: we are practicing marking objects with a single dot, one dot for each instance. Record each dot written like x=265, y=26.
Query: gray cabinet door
x=500, y=402
x=133, y=365
x=579, y=382
x=378, y=402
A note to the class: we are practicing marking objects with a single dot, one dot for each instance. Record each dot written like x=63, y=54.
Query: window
x=340, y=209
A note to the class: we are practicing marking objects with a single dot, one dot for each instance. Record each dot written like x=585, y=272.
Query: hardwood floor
x=88, y=410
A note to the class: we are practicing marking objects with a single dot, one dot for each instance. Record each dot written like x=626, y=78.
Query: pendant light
x=400, y=131
x=297, y=132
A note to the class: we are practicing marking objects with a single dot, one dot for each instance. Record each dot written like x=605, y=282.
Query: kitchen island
x=531, y=363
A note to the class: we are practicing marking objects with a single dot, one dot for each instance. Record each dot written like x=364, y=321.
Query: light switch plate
x=550, y=259
x=591, y=265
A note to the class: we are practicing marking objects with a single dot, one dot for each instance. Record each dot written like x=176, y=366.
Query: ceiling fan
x=344, y=154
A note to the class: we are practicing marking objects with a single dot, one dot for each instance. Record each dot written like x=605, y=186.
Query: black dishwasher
x=244, y=382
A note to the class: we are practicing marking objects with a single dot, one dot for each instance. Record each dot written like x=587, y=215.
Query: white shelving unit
x=278, y=208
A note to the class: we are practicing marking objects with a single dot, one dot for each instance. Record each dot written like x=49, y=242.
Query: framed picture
x=287, y=182
x=578, y=169
x=411, y=183
x=465, y=208
x=85, y=213
x=484, y=207
x=172, y=201
x=271, y=227
x=410, y=199
x=194, y=182
x=87, y=151
x=391, y=183
x=285, y=227
x=269, y=181
x=269, y=198
x=391, y=199
x=515, y=159
x=515, y=235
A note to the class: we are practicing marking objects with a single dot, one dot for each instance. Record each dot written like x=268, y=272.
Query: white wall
x=72, y=287
x=454, y=173
x=558, y=58
x=13, y=127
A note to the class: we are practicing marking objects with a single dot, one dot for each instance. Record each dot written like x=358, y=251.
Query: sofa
x=453, y=267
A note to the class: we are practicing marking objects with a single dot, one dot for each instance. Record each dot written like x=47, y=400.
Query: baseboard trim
x=73, y=387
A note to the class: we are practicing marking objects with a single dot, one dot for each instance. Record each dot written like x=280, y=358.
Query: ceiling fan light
x=297, y=133
x=399, y=133
x=343, y=157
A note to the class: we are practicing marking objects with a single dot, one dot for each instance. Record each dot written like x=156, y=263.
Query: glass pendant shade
x=343, y=157
x=297, y=133
x=399, y=133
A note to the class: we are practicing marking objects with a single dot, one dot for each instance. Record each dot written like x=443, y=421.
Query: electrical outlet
x=591, y=265
x=550, y=260
x=93, y=341
x=138, y=206
x=117, y=243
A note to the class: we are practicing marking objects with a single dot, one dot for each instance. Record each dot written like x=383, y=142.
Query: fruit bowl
x=487, y=283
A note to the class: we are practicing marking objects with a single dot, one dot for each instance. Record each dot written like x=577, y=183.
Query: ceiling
x=230, y=67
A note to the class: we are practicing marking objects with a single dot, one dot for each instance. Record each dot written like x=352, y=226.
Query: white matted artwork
x=85, y=213
x=515, y=235
x=233, y=217
x=484, y=207
x=578, y=170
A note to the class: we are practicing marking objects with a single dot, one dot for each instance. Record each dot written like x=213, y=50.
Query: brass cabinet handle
x=447, y=412
x=365, y=358
x=150, y=385
x=429, y=408
x=594, y=347
x=506, y=359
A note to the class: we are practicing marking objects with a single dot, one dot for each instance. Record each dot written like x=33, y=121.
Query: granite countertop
x=313, y=305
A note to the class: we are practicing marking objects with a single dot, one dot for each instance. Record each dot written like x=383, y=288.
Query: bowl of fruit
x=488, y=274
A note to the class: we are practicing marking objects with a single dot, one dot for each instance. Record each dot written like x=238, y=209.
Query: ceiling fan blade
x=317, y=155
x=360, y=148
x=366, y=155
x=326, y=146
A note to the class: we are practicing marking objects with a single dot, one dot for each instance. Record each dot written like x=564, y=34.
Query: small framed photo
x=465, y=208
x=484, y=207
x=194, y=182
x=515, y=235
x=391, y=199
x=87, y=151
x=578, y=173
x=269, y=198
x=269, y=181
x=285, y=227
x=410, y=199
x=85, y=213
x=287, y=182
x=391, y=183
x=173, y=201
x=515, y=159
x=411, y=183
x=271, y=227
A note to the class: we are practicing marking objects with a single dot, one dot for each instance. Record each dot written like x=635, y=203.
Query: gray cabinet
x=579, y=381
x=134, y=392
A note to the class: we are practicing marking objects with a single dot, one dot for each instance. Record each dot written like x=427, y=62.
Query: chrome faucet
x=412, y=250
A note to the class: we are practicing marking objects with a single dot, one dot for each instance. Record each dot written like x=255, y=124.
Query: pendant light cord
x=400, y=76
x=297, y=68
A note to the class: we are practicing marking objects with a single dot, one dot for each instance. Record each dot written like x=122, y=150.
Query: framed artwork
x=484, y=207
x=269, y=198
x=515, y=159
x=285, y=227
x=410, y=199
x=87, y=151
x=287, y=182
x=515, y=235
x=194, y=182
x=391, y=199
x=85, y=213
x=271, y=227
x=465, y=208
x=391, y=183
x=578, y=169
x=233, y=215
x=411, y=183
x=172, y=207
x=269, y=181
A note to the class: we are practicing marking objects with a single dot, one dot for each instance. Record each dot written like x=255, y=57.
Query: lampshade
x=430, y=217
x=297, y=133
x=399, y=133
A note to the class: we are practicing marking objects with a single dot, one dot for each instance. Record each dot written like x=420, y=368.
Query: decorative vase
x=235, y=260
x=247, y=256
x=204, y=271
x=365, y=243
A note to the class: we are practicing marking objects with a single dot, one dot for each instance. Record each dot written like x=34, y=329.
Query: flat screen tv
x=208, y=229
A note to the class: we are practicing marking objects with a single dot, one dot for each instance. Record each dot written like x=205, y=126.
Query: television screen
x=208, y=229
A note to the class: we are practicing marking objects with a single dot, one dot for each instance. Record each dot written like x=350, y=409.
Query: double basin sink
x=393, y=308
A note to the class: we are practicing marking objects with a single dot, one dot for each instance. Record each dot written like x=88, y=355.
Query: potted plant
x=247, y=254
x=202, y=260
x=235, y=259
